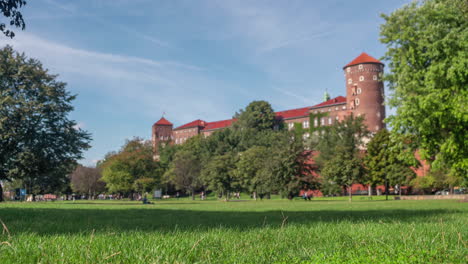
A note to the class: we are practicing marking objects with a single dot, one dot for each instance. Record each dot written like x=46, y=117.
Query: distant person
x=177, y=195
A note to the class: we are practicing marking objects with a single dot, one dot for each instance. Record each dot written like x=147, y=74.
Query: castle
x=364, y=96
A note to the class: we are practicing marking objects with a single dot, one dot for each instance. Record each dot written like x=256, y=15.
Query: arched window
x=357, y=101
x=361, y=78
x=374, y=77
x=358, y=91
x=360, y=66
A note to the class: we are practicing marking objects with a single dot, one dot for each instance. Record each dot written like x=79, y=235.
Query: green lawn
x=269, y=231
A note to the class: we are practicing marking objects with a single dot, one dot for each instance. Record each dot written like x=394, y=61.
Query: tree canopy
x=10, y=9
x=38, y=142
x=132, y=169
x=427, y=44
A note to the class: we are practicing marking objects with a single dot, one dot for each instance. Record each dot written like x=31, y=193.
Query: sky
x=131, y=61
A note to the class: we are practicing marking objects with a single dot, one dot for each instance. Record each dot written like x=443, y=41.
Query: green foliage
x=253, y=170
x=10, y=9
x=185, y=172
x=38, y=143
x=388, y=160
x=219, y=174
x=340, y=157
x=257, y=115
x=132, y=168
x=427, y=43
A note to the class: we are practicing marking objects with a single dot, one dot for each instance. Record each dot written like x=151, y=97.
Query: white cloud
x=143, y=86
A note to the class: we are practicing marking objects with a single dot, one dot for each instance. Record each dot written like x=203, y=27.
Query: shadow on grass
x=48, y=221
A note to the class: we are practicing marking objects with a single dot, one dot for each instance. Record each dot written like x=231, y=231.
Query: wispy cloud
x=141, y=85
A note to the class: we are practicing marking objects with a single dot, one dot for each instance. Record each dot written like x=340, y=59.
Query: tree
x=219, y=174
x=185, y=173
x=38, y=142
x=290, y=165
x=10, y=9
x=254, y=171
x=427, y=43
x=131, y=169
x=87, y=180
x=340, y=158
x=257, y=115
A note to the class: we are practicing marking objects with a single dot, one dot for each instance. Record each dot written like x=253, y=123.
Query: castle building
x=364, y=96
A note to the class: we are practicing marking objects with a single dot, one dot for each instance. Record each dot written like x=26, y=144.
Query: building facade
x=364, y=96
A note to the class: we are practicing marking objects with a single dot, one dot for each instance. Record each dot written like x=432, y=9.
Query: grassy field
x=269, y=231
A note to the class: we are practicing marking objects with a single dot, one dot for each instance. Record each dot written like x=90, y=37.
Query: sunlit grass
x=268, y=231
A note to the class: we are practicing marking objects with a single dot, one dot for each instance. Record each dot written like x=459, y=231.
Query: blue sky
x=131, y=60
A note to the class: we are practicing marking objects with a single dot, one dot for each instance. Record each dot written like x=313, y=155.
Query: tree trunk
x=400, y=190
x=227, y=196
x=255, y=196
x=193, y=194
x=370, y=190
x=1, y=193
x=350, y=193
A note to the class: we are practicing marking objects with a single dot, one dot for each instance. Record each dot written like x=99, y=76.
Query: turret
x=365, y=90
x=161, y=134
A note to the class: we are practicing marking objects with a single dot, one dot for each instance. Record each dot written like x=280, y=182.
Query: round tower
x=161, y=133
x=365, y=90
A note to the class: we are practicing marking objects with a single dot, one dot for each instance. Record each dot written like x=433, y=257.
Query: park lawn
x=268, y=231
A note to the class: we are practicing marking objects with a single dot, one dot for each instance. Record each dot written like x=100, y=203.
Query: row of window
x=330, y=109
x=361, y=79
x=360, y=67
x=323, y=121
x=181, y=140
x=186, y=130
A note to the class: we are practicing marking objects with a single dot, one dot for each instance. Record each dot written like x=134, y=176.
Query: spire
x=326, y=96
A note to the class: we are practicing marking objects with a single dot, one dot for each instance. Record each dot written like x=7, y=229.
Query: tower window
x=350, y=81
x=305, y=124
x=348, y=69
x=359, y=91
x=374, y=77
x=357, y=101
x=361, y=78
x=360, y=66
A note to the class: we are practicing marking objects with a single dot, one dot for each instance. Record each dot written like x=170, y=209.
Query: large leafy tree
x=257, y=115
x=388, y=161
x=132, y=169
x=290, y=165
x=10, y=10
x=219, y=174
x=341, y=152
x=427, y=43
x=38, y=142
x=87, y=180
x=254, y=171
x=185, y=171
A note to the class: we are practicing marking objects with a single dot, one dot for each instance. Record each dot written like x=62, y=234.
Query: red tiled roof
x=336, y=100
x=363, y=58
x=163, y=121
x=298, y=112
x=287, y=114
x=198, y=122
x=218, y=124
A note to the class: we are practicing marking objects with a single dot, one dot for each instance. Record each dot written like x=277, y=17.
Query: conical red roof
x=163, y=121
x=363, y=58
